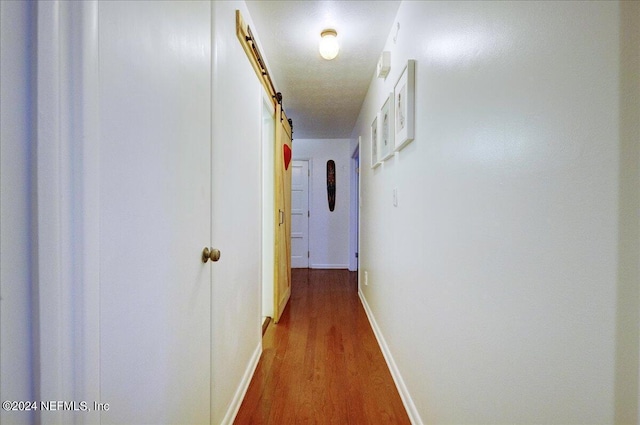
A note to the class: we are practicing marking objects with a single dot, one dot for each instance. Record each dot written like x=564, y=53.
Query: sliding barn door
x=283, y=213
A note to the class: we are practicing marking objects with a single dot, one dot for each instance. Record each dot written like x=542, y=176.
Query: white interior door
x=155, y=203
x=300, y=214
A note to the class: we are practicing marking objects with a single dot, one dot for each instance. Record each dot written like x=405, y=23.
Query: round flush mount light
x=329, y=44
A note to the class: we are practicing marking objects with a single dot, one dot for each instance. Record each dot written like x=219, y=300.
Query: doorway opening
x=268, y=205
x=354, y=215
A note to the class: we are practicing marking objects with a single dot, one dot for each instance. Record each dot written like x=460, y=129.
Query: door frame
x=354, y=211
x=67, y=260
x=268, y=206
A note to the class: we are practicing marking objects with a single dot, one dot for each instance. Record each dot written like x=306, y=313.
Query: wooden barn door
x=283, y=213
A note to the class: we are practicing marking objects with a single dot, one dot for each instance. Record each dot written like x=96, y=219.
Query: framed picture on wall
x=386, y=129
x=375, y=161
x=404, y=102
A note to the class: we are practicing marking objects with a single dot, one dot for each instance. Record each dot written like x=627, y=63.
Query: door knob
x=212, y=254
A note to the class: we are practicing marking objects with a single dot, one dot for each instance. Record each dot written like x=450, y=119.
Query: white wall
x=17, y=155
x=328, y=230
x=237, y=217
x=500, y=295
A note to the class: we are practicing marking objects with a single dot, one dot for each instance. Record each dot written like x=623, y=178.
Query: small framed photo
x=386, y=129
x=375, y=160
x=404, y=102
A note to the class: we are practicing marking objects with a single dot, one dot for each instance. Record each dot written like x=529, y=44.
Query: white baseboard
x=409, y=405
x=328, y=266
x=234, y=407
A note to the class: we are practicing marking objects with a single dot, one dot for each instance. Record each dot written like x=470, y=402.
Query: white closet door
x=155, y=206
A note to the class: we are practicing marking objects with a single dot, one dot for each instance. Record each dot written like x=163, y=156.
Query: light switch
x=395, y=197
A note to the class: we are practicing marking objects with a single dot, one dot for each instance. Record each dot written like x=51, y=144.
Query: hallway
x=498, y=211
x=322, y=363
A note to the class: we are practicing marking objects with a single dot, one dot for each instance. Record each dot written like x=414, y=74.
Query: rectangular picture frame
x=375, y=132
x=386, y=133
x=404, y=101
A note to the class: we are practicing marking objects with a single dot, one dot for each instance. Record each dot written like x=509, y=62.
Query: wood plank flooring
x=322, y=364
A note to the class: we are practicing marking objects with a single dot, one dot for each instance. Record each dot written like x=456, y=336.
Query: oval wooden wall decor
x=331, y=184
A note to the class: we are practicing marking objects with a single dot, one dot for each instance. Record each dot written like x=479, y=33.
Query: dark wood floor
x=321, y=364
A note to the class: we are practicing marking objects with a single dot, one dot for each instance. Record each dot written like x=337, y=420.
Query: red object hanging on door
x=286, y=150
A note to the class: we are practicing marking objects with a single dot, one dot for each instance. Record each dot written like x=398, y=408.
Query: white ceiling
x=322, y=97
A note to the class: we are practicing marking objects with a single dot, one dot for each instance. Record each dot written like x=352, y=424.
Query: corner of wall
x=628, y=292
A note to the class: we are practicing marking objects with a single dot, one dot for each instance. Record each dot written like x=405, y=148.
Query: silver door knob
x=212, y=254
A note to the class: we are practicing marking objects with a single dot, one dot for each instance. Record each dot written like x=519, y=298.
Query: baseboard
x=328, y=266
x=409, y=405
x=234, y=407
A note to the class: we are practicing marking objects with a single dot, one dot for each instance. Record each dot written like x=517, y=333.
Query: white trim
x=51, y=348
x=409, y=405
x=241, y=391
x=328, y=266
x=88, y=348
x=67, y=311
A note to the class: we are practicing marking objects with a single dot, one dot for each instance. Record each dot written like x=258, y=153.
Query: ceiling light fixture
x=329, y=46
